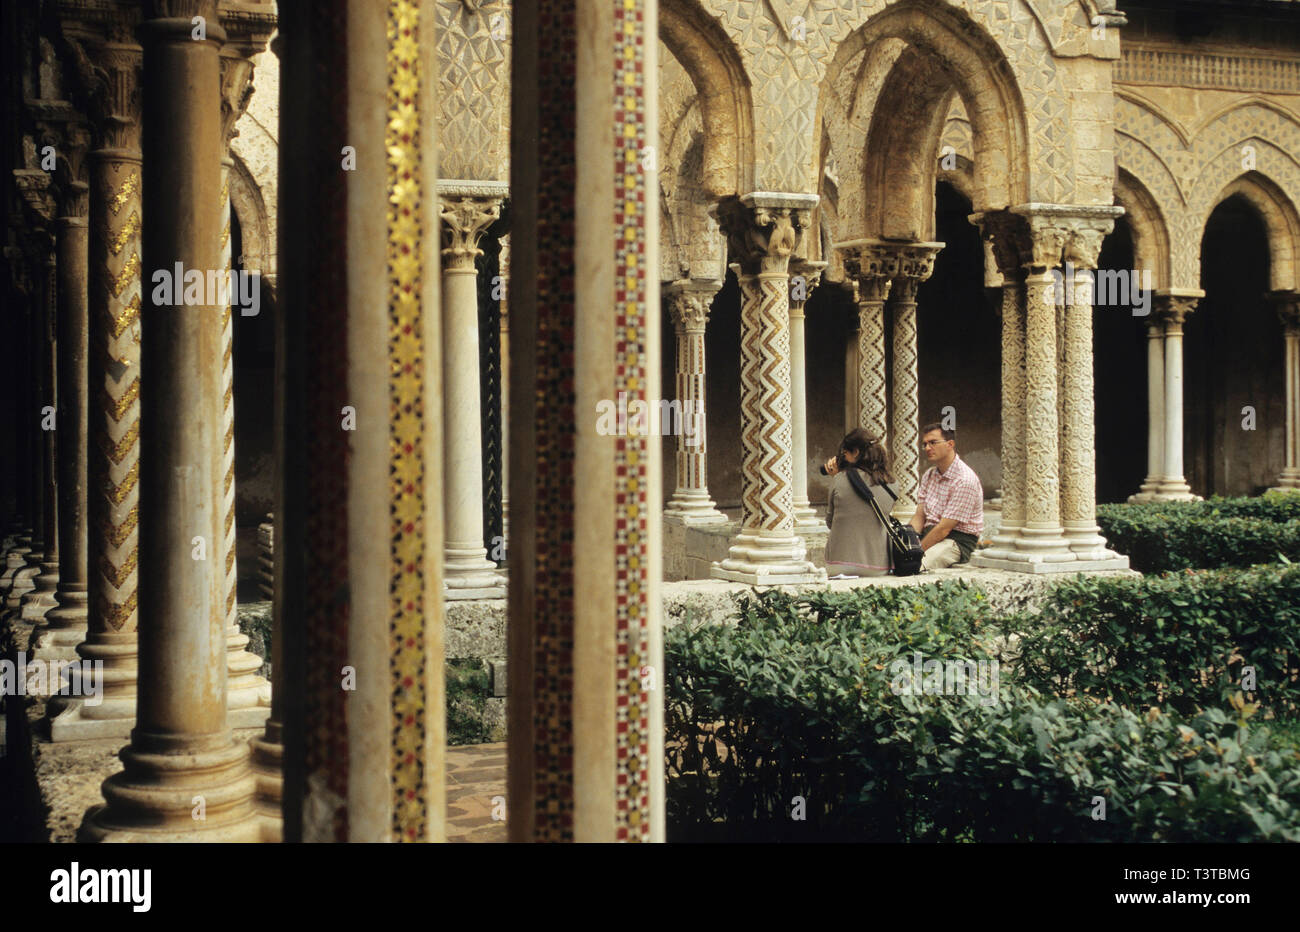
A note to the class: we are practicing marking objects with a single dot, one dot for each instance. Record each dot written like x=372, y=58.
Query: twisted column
x=182, y=746
x=468, y=209
x=805, y=276
x=1173, y=308
x=1155, y=412
x=915, y=265
x=688, y=303
x=763, y=231
x=1288, y=312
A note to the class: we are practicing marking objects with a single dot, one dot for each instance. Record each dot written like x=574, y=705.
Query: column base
x=22, y=582
x=64, y=629
x=1288, y=480
x=774, y=558
x=197, y=790
x=1175, y=490
x=41, y=599
x=1146, y=492
x=693, y=508
x=15, y=558
x=1035, y=564
x=469, y=574
x=244, y=688
x=805, y=516
x=1003, y=544
x=268, y=768
x=74, y=718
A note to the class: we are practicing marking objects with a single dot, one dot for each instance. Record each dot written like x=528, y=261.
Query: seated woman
x=858, y=544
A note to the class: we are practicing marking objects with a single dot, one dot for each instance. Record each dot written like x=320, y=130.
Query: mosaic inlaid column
x=1078, y=421
x=872, y=266
x=1173, y=308
x=763, y=230
x=248, y=696
x=1006, y=238
x=113, y=366
x=468, y=209
x=65, y=623
x=1288, y=312
x=586, y=668
x=182, y=758
x=804, y=278
x=915, y=265
x=1155, y=411
x=688, y=303
x=359, y=513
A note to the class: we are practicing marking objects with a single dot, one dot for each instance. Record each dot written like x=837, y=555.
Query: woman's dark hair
x=872, y=458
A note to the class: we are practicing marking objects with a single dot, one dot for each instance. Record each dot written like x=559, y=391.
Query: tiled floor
x=476, y=773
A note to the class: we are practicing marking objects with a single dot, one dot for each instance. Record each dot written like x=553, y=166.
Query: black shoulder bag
x=904, y=543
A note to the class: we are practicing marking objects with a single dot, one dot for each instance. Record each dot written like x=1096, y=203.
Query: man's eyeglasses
x=932, y=443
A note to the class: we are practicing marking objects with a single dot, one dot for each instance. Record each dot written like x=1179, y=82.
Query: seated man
x=950, y=512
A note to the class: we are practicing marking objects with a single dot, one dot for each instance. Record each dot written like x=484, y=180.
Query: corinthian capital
x=464, y=221
x=1173, y=307
x=689, y=301
x=764, y=230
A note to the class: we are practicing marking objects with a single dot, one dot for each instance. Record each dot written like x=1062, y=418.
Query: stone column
x=113, y=366
x=763, y=231
x=1041, y=537
x=247, y=694
x=65, y=624
x=1173, y=308
x=915, y=265
x=504, y=362
x=805, y=276
x=181, y=749
x=1005, y=237
x=872, y=265
x=40, y=599
x=688, y=302
x=586, y=684
x=851, y=350
x=1078, y=431
x=359, y=510
x=23, y=427
x=468, y=209
x=1288, y=312
x=1155, y=412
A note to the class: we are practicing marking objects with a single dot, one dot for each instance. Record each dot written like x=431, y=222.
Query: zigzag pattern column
x=763, y=231
x=915, y=265
x=872, y=265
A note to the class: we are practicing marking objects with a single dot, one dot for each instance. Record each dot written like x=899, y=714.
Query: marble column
x=113, y=427
x=915, y=265
x=763, y=231
x=804, y=278
x=586, y=671
x=468, y=209
x=1078, y=430
x=1173, y=308
x=65, y=623
x=1288, y=312
x=871, y=265
x=504, y=363
x=248, y=698
x=1155, y=412
x=688, y=303
x=185, y=778
x=359, y=509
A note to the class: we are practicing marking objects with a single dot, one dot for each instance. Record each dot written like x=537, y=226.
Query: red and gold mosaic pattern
x=327, y=608
x=631, y=479
x=555, y=408
x=402, y=139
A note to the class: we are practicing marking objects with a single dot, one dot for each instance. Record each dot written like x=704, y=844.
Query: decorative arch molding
x=1133, y=98
x=256, y=229
x=1281, y=220
x=707, y=52
x=1148, y=225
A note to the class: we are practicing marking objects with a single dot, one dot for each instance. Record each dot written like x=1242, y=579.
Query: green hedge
x=1181, y=640
x=798, y=699
x=1219, y=532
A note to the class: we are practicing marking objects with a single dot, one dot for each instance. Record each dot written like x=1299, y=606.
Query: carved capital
x=1054, y=229
x=1174, y=308
x=1083, y=244
x=236, y=90
x=1008, y=236
x=805, y=276
x=34, y=188
x=763, y=232
x=916, y=260
x=464, y=221
x=1287, y=304
x=104, y=64
x=689, y=302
